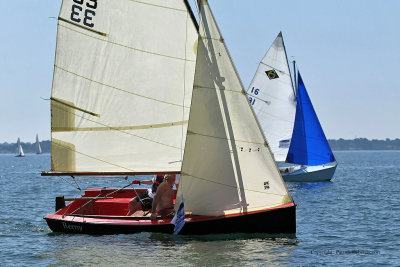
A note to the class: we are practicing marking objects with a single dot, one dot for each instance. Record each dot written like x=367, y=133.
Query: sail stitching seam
x=119, y=89
x=125, y=46
x=58, y=144
x=119, y=130
x=166, y=7
x=236, y=187
x=228, y=139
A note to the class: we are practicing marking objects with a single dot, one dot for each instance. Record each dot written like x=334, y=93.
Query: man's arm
x=148, y=182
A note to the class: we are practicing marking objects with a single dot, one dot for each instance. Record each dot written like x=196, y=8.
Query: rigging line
x=184, y=89
x=125, y=46
x=98, y=196
x=228, y=139
x=212, y=88
x=77, y=186
x=116, y=129
x=55, y=142
x=231, y=186
x=119, y=89
x=281, y=71
x=166, y=7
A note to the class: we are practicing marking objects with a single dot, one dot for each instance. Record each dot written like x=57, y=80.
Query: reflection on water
x=153, y=248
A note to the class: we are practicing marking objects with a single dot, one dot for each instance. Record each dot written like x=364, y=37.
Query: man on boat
x=163, y=203
x=145, y=199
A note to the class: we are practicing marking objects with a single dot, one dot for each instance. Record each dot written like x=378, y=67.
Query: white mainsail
x=38, y=147
x=227, y=165
x=272, y=96
x=19, y=150
x=122, y=85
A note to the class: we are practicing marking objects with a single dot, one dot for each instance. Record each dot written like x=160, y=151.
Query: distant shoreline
x=358, y=144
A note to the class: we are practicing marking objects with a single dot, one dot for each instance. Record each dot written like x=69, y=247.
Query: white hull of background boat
x=318, y=173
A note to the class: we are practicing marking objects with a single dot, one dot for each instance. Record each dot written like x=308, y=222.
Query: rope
x=184, y=89
x=77, y=186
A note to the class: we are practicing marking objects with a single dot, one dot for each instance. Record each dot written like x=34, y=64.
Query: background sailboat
x=272, y=96
x=19, y=150
x=38, y=147
x=229, y=180
x=309, y=148
x=285, y=113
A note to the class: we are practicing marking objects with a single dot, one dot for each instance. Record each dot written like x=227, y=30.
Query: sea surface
x=354, y=220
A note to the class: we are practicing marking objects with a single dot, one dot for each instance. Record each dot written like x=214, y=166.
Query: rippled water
x=353, y=220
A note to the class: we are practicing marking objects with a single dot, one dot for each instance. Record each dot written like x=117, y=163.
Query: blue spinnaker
x=309, y=145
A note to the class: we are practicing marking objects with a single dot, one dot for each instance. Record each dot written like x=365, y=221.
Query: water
x=353, y=220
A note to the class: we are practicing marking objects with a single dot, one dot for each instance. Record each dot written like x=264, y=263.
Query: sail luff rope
x=184, y=89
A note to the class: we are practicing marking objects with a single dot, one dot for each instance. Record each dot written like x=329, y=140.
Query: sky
x=348, y=53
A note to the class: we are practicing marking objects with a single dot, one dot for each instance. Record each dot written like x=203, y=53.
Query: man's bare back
x=163, y=199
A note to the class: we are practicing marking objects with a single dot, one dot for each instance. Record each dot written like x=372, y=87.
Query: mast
x=295, y=78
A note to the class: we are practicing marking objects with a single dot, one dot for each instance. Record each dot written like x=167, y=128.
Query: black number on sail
x=92, y=4
x=75, y=13
x=252, y=100
x=89, y=18
x=89, y=12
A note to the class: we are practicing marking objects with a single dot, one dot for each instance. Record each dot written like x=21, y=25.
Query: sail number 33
x=78, y=8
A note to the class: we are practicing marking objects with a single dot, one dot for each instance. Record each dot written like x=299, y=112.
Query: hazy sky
x=348, y=52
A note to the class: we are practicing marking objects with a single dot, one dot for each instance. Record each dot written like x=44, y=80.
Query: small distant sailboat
x=289, y=121
x=38, y=147
x=19, y=150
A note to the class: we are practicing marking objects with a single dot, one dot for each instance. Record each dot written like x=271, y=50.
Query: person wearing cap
x=145, y=200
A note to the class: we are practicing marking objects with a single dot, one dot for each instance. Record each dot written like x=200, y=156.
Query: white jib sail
x=20, y=151
x=122, y=85
x=38, y=147
x=227, y=167
x=272, y=97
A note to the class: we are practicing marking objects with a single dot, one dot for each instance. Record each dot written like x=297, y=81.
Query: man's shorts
x=144, y=199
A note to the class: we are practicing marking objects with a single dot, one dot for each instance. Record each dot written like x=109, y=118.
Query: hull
x=278, y=220
x=318, y=173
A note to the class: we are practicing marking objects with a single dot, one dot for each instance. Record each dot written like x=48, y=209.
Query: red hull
x=106, y=216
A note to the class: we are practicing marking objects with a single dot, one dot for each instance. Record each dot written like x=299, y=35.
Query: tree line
x=339, y=144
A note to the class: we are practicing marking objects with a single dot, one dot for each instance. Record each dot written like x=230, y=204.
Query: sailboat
x=288, y=119
x=175, y=108
x=19, y=150
x=38, y=147
x=309, y=149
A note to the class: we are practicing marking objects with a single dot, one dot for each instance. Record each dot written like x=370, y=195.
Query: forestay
x=122, y=85
x=272, y=97
x=227, y=166
x=309, y=145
